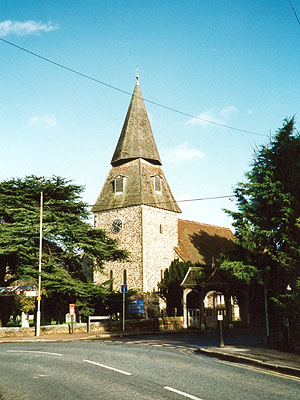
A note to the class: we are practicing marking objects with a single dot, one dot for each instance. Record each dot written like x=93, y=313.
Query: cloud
x=182, y=153
x=228, y=111
x=216, y=117
x=30, y=27
x=46, y=121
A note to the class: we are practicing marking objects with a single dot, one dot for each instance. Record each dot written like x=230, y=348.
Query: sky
x=234, y=63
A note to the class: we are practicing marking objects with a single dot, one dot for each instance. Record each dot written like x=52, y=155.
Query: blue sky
x=231, y=62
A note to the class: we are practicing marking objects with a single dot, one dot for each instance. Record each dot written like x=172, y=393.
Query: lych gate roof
x=136, y=139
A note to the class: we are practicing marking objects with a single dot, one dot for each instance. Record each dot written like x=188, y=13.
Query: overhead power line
x=294, y=11
x=128, y=93
x=170, y=201
x=104, y=204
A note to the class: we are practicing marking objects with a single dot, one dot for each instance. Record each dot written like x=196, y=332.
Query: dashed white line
x=189, y=396
x=108, y=367
x=34, y=352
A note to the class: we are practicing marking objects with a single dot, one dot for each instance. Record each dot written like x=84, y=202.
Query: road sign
x=31, y=293
x=72, y=309
x=124, y=289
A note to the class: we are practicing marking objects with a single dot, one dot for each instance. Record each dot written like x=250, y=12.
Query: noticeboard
x=136, y=307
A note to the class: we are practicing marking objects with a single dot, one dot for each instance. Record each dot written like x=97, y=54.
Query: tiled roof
x=204, y=275
x=136, y=139
x=199, y=242
x=193, y=277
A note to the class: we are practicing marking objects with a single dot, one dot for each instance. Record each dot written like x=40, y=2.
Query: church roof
x=199, y=242
x=136, y=139
x=138, y=189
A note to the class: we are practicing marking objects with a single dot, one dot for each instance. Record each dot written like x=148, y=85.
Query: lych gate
x=207, y=294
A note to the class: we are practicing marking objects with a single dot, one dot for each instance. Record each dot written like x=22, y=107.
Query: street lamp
x=38, y=314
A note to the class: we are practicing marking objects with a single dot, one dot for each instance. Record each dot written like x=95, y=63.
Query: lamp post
x=38, y=314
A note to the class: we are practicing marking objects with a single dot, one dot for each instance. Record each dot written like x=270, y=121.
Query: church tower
x=136, y=205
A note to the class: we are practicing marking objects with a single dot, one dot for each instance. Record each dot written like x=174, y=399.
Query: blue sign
x=136, y=307
x=124, y=289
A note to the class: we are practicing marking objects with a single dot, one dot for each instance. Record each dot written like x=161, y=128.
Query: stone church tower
x=136, y=205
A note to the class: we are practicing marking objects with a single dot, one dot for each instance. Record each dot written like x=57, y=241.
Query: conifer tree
x=169, y=288
x=267, y=221
x=71, y=246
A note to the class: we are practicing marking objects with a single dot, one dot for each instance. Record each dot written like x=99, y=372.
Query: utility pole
x=38, y=314
x=266, y=314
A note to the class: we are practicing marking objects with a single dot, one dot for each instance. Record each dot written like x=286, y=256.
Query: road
x=143, y=368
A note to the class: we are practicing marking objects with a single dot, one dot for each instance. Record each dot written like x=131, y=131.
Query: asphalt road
x=156, y=368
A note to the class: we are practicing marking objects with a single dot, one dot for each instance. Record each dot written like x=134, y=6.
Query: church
x=137, y=207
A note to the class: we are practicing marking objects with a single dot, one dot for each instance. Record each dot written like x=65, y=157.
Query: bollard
x=220, y=333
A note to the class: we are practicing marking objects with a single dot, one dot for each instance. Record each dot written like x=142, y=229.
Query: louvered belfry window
x=119, y=184
x=157, y=184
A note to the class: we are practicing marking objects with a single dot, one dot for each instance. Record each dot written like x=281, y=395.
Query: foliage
x=25, y=304
x=70, y=245
x=267, y=219
x=169, y=288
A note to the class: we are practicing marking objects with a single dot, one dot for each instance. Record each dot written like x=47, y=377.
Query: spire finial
x=137, y=75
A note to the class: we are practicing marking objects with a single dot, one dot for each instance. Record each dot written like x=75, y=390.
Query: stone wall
x=160, y=236
x=144, y=325
x=129, y=238
x=150, y=235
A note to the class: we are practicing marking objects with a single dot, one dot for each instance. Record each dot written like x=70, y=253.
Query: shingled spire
x=136, y=139
x=136, y=166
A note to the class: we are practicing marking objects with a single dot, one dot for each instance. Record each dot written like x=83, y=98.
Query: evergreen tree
x=267, y=225
x=169, y=288
x=71, y=247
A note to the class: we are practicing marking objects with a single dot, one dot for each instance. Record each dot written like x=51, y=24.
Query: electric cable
x=295, y=13
x=128, y=93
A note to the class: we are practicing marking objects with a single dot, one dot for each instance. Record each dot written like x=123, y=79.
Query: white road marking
x=261, y=370
x=34, y=352
x=189, y=396
x=108, y=367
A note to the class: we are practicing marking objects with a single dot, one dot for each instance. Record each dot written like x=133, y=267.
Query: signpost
x=72, y=313
x=124, y=290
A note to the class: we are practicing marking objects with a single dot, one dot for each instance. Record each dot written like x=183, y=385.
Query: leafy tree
x=71, y=246
x=169, y=288
x=267, y=225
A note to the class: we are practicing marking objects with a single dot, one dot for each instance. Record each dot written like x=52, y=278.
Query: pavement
x=270, y=359
x=266, y=358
